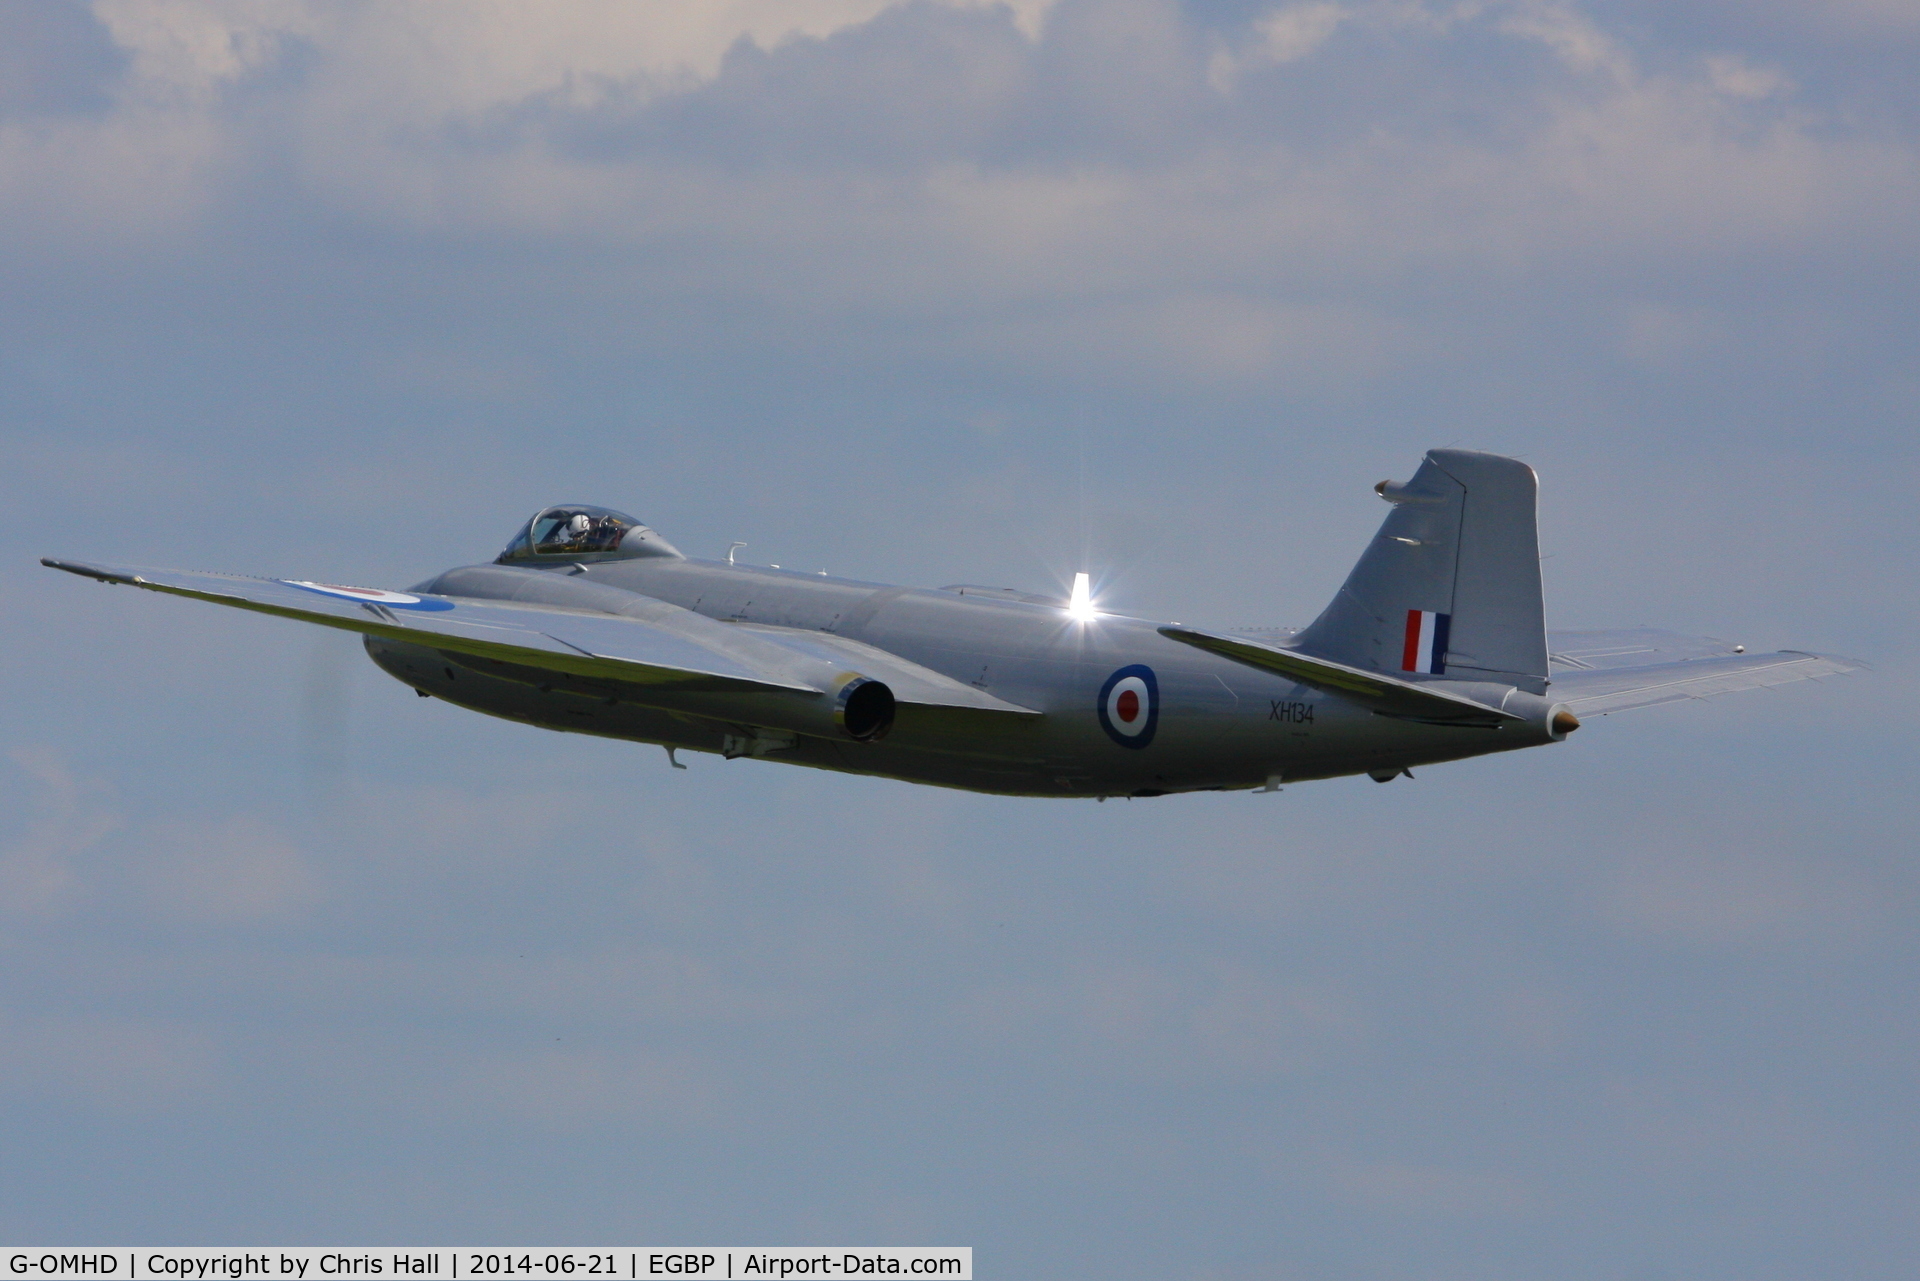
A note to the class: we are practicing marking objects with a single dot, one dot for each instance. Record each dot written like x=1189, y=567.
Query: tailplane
x=1450, y=586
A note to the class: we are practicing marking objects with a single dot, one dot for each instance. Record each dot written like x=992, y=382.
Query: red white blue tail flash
x=1426, y=649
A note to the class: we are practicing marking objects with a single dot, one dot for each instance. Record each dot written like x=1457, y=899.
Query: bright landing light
x=1080, y=604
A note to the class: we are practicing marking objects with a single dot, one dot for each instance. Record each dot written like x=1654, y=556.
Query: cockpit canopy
x=576, y=532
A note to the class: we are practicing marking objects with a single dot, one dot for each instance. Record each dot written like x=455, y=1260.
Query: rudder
x=1450, y=586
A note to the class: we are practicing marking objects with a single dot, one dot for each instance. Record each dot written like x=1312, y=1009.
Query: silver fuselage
x=1221, y=725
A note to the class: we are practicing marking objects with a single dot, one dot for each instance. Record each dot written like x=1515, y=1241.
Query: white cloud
x=66, y=820
x=1576, y=40
x=186, y=52
x=447, y=61
x=1292, y=33
x=1284, y=35
x=1734, y=76
x=1199, y=237
x=585, y=120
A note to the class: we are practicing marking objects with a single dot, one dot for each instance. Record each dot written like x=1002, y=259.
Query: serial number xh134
x=1434, y=649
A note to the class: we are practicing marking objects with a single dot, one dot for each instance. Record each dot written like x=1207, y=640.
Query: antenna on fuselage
x=731, y=549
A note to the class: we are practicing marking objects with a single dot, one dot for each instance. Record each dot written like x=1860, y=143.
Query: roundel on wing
x=370, y=595
x=1130, y=706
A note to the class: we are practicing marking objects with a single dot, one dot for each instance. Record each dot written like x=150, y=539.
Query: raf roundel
x=371, y=596
x=1130, y=706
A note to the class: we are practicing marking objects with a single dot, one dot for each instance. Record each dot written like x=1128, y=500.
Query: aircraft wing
x=1596, y=672
x=670, y=647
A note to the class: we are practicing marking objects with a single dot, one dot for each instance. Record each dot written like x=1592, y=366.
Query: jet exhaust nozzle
x=863, y=709
x=1550, y=721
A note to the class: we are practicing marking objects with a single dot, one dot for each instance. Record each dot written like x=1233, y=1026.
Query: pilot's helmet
x=575, y=531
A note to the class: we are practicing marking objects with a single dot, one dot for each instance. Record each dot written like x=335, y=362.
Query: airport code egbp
x=447, y=1263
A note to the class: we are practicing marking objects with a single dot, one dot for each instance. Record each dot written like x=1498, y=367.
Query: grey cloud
x=917, y=85
x=54, y=59
x=1516, y=137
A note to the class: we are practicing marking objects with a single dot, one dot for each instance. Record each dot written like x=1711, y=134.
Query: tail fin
x=1451, y=584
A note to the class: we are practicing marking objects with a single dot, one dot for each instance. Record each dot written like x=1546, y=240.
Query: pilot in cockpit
x=579, y=530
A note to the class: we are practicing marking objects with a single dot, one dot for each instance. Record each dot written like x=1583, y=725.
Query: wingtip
x=87, y=571
x=1842, y=662
x=72, y=567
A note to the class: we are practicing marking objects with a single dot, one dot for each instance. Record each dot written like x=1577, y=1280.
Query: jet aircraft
x=1434, y=649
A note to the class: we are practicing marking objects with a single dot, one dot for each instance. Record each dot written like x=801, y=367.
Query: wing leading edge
x=672, y=647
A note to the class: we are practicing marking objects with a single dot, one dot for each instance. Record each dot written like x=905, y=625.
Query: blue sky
x=958, y=292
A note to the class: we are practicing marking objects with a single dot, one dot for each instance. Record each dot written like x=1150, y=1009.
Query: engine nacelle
x=856, y=708
x=863, y=709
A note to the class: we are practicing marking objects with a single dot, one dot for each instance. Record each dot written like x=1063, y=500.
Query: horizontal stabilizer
x=1426, y=701
x=1619, y=689
x=1590, y=650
